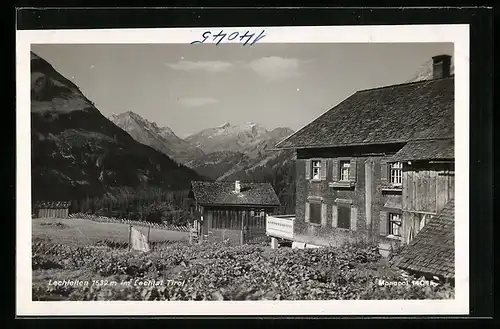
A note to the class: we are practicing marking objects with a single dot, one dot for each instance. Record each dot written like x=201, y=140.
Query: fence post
x=129, y=236
x=274, y=243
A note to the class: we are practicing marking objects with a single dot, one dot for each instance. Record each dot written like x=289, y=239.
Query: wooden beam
x=419, y=212
x=368, y=195
x=442, y=161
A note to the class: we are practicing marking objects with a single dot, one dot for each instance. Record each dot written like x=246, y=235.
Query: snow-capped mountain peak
x=248, y=138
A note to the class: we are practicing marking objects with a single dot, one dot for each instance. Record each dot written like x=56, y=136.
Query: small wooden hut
x=234, y=211
x=52, y=209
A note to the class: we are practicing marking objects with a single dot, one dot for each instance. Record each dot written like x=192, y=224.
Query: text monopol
x=381, y=282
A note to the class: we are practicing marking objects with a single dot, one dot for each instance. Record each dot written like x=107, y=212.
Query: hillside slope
x=246, y=153
x=77, y=152
x=237, y=151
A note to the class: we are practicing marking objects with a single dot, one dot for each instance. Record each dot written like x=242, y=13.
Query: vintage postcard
x=295, y=170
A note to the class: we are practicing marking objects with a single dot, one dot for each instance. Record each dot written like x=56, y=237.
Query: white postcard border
x=457, y=34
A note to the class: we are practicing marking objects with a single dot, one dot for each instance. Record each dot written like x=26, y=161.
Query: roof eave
x=399, y=141
x=430, y=160
x=238, y=205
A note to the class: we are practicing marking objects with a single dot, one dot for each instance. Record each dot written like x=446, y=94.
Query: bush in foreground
x=217, y=271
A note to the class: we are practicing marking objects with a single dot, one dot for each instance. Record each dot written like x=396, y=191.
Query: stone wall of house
x=361, y=230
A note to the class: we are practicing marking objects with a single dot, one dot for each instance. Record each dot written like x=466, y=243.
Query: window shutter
x=322, y=171
x=308, y=169
x=384, y=225
x=335, y=170
x=384, y=171
x=354, y=218
x=307, y=212
x=323, y=214
x=334, y=216
x=352, y=171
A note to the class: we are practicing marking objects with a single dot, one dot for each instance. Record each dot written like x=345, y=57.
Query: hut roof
x=53, y=204
x=223, y=193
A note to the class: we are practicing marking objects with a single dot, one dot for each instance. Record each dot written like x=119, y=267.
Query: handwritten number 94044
x=221, y=36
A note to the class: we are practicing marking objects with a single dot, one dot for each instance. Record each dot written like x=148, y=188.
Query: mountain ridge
x=162, y=139
x=236, y=138
x=77, y=152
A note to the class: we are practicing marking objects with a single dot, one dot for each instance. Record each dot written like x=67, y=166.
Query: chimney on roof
x=237, y=187
x=441, y=66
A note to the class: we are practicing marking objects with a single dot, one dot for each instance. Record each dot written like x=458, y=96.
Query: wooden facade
x=52, y=213
x=222, y=214
x=239, y=224
x=427, y=188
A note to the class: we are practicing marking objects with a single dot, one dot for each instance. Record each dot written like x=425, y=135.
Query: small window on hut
x=344, y=217
x=396, y=173
x=395, y=224
x=315, y=169
x=315, y=212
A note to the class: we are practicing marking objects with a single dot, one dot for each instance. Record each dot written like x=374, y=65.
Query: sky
x=192, y=87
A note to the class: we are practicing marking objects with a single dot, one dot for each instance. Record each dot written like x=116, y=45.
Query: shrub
x=218, y=271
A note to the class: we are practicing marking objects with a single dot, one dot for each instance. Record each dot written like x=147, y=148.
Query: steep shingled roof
x=432, y=251
x=426, y=150
x=222, y=193
x=392, y=114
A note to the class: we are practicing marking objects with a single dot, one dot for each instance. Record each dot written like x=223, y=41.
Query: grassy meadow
x=79, y=232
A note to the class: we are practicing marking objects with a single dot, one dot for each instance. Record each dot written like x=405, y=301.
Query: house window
x=395, y=224
x=315, y=212
x=396, y=173
x=345, y=167
x=344, y=217
x=316, y=169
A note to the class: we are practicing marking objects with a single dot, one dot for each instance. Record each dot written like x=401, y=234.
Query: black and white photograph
x=248, y=170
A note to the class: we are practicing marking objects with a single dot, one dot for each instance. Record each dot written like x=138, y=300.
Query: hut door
x=207, y=222
x=254, y=228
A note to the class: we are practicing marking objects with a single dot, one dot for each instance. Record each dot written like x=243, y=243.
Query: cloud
x=209, y=66
x=197, y=101
x=276, y=68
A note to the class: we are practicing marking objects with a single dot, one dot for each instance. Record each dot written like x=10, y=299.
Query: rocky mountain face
x=232, y=152
x=77, y=152
x=162, y=139
x=247, y=138
x=246, y=153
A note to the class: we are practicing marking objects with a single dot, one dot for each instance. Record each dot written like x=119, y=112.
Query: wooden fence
x=104, y=219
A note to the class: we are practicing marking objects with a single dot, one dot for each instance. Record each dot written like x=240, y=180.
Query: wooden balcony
x=280, y=226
